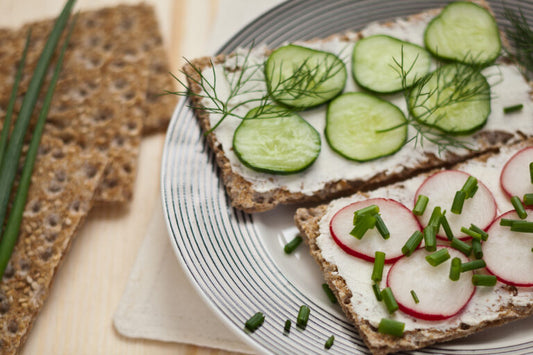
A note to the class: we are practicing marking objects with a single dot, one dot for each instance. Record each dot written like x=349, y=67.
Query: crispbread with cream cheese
x=356, y=296
x=331, y=175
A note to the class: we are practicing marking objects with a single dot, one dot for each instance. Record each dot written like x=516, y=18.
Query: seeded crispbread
x=308, y=221
x=64, y=183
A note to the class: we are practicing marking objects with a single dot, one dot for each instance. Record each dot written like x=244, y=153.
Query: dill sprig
x=520, y=36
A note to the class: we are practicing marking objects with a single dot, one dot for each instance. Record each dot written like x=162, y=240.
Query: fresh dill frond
x=520, y=36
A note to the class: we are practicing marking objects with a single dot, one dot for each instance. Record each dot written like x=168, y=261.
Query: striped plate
x=236, y=260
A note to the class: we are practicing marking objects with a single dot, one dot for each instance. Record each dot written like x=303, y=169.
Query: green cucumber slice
x=301, y=77
x=273, y=140
x=455, y=98
x=360, y=126
x=465, y=32
x=378, y=62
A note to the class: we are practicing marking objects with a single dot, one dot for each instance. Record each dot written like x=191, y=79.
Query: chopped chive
x=446, y=226
x=368, y=210
x=379, y=263
x=507, y=222
x=430, y=238
x=377, y=292
x=255, y=322
x=420, y=205
x=389, y=300
x=470, y=187
x=303, y=316
x=415, y=297
x=391, y=327
x=519, y=208
x=364, y=223
x=434, y=220
x=438, y=257
x=287, y=327
x=455, y=269
x=463, y=247
x=381, y=227
x=292, y=245
x=329, y=293
x=528, y=199
x=329, y=342
x=471, y=233
x=484, y=280
x=458, y=202
x=412, y=243
x=484, y=235
x=473, y=265
x=531, y=172
x=476, y=248
x=522, y=226
x=514, y=108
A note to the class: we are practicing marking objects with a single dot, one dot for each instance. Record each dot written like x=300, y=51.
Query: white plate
x=236, y=260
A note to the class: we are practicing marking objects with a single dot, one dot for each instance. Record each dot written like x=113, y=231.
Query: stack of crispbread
x=106, y=99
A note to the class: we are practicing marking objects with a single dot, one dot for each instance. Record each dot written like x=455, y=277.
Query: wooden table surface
x=77, y=317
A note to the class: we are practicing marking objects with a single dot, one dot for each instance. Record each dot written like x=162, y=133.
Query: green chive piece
x=471, y=233
x=13, y=151
x=303, y=317
x=476, y=248
x=458, y=202
x=438, y=257
x=484, y=280
x=528, y=199
x=455, y=269
x=531, y=172
x=519, y=208
x=430, y=238
x=12, y=99
x=522, y=226
x=514, y=108
x=381, y=227
x=473, y=265
x=379, y=263
x=507, y=222
x=484, y=235
x=368, y=210
x=255, y=321
x=12, y=227
x=287, y=327
x=446, y=226
x=292, y=245
x=364, y=223
x=377, y=292
x=434, y=220
x=329, y=293
x=420, y=205
x=412, y=243
x=389, y=300
x=415, y=297
x=470, y=187
x=463, y=247
x=391, y=327
x=329, y=342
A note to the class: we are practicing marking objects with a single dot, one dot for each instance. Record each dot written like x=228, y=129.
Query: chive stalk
x=477, y=251
x=458, y=202
x=519, y=208
x=463, y=247
x=303, y=316
x=471, y=233
x=415, y=297
x=377, y=292
x=446, y=226
x=473, y=265
x=329, y=342
x=434, y=220
x=412, y=243
x=368, y=210
x=292, y=245
x=438, y=257
x=255, y=321
x=531, y=172
x=391, y=327
x=389, y=300
x=484, y=235
x=329, y=293
x=513, y=108
x=420, y=205
x=470, y=187
x=430, y=238
x=379, y=263
x=364, y=223
x=287, y=327
x=528, y=199
x=522, y=226
x=455, y=269
x=508, y=222
x=381, y=227
x=484, y=280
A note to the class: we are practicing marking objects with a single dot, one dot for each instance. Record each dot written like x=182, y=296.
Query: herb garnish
x=520, y=36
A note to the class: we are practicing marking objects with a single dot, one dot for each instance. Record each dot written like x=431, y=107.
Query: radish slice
x=398, y=218
x=515, y=179
x=508, y=254
x=439, y=297
x=441, y=187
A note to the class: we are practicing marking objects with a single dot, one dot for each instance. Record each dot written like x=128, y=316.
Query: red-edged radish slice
x=398, y=218
x=439, y=297
x=515, y=178
x=508, y=254
x=441, y=188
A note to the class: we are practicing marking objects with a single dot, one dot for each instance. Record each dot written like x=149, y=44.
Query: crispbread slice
x=63, y=188
x=308, y=221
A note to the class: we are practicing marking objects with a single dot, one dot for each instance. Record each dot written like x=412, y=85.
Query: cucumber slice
x=464, y=32
x=378, y=62
x=273, y=140
x=302, y=77
x=353, y=123
x=454, y=98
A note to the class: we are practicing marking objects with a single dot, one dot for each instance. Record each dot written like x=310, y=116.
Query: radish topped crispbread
x=350, y=276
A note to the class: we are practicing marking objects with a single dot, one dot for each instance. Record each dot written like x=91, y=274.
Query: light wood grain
x=77, y=317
